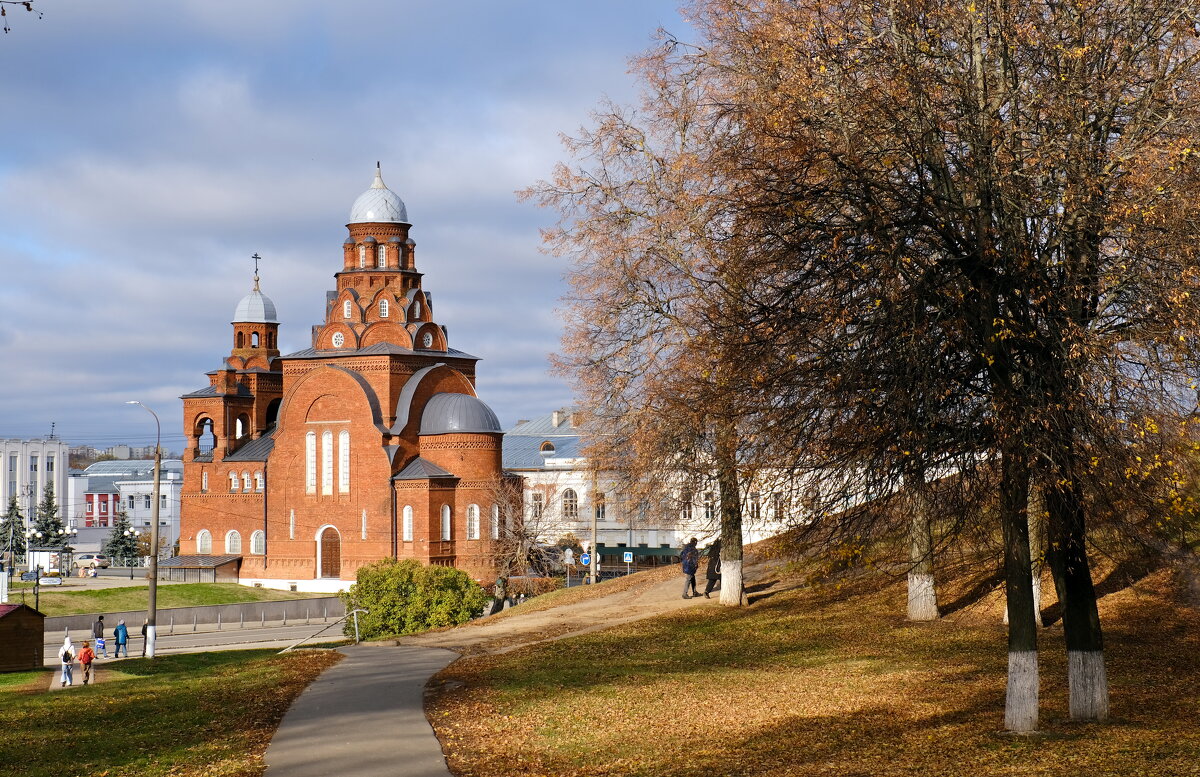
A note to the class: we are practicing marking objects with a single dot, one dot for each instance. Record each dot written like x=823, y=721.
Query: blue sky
x=151, y=148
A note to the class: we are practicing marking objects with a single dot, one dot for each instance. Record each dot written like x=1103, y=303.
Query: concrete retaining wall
x=229, y=615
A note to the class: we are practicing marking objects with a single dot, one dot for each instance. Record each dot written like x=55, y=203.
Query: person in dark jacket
x=689, y=558
x=98, y=634
x=145, y=624
x=714, y=568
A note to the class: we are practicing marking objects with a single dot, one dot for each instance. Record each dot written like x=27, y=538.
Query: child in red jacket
x=86, y=656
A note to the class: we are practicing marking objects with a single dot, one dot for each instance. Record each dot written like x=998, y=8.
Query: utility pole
x=153, y=603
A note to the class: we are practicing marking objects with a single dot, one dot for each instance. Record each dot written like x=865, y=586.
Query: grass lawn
x=818, y=681
x=209, y=714
x=134, y=598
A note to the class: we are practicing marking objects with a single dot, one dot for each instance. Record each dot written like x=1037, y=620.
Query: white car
x=93, y=560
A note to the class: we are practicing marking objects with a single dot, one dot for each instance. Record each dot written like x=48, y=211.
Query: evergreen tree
x=119, y=545
x=12, y=531
x=47, y=520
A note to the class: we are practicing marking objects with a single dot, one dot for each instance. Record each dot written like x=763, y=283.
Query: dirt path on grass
x=591, y=608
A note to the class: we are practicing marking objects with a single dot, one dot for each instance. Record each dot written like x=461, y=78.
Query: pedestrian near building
x=121, y=637
x=714, y=568
x=145, y=623
x=98, y=635
x=689, y=559
x=66, y=655
x=86, y=657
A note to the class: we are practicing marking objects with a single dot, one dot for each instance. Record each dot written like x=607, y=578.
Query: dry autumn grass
x=205, y=714
x=823, y=681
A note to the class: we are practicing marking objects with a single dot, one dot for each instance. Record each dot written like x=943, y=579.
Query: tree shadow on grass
x=1124, y=575
x=982, y=586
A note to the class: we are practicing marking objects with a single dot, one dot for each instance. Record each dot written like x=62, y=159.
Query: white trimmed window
x=310, y=462
x=364, y=523
x=570, y=504
x=472, y=522
x=536, y=504
x=600, y=506
x=291, y=524
x=326, y=462
x=245, y=481
x=344, y=462
x=495, y=522
x=362, y=256
x=233, y=543
x=383, y=308
x=407, y=528
x=258, y=481
x=381, y=257
x=204, y=480
x=447, y=532
x=233, y=481
x=346, y=309
x=416, y=311
x=258, y=543
x=203, y=542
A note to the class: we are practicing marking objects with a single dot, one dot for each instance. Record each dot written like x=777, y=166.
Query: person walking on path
x=121, y=637
x=98, y=635
x=689, y=558
x=714, y=568
x=144, y=624
x=86, y=657
x=66, y=654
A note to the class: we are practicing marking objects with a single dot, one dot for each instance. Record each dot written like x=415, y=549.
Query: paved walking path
x=363, y=717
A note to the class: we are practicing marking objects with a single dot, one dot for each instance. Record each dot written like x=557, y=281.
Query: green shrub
x=404, y=597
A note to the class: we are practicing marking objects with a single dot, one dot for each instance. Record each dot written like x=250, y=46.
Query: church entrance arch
x=329, y=553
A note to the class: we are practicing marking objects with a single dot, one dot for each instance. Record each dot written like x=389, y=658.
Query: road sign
x=628, y=557
x=29, y=577
x=50, y=581
x=585, y=559
x=569, y=557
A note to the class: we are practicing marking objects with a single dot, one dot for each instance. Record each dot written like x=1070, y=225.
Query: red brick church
x=370, y=444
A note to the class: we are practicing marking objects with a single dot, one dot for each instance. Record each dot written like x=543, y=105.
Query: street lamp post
x=152, y=609
x=29, y=537
x=134, y=533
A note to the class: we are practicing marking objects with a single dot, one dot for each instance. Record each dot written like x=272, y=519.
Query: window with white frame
x=291, y=524
x=416, y=311
x=233, y=543
x=310, y=462
x=344, y=462
x=131, y=498
x=147, y=502
x=203, y=542
x=204, y=480
x=346, y=309
x=447, y=528
x=381, y=257
x=364, y=524
x=600, y=506
x=258, y=481
x=472, y=522
x=327, y=462
x=407, y=529
x=685, y=508
x=233, y=482
x=258, y=543
x=245, y=481
x=536, y=504
x=383, y=308
x=362, y=256
x=755, y=507
x=570, y=504
x=710, y=510
x=495, y=522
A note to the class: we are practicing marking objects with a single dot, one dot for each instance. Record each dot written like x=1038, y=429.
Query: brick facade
x=313, y=457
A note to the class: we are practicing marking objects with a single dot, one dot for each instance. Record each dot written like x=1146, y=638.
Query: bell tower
x=255, y=329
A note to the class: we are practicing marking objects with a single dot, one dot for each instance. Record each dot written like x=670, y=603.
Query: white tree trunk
x=922, y=597
x=1021, y=698
x=1087, y=684
x=731, y=583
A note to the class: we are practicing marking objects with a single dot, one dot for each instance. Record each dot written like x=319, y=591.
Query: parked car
x=93, y=560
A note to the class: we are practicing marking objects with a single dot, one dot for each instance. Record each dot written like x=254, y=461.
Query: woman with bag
x=66, y=654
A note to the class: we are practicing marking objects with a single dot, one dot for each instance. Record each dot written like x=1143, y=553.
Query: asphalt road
x=184, y=640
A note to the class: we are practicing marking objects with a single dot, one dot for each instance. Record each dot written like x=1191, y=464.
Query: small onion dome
x=458, y=414
x=378, y=204
x=410, y=242
x=255, y=308
x=348, y=241
x=369, y=239
x=395, y=239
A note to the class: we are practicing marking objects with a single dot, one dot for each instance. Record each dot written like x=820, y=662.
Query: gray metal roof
x=544, y=425
x=378, y=349
x=457, y=414
x=255, y=308
x=198, y=562
x=378, y=204
x=421, y=469
x=523, y=443
x=132, y=467
x=211, y=391
x=255, y=450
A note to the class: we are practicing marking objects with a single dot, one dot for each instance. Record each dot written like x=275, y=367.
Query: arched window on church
x=240, y=340
x=447, y=528
x=233, y=481
x=408, y=524
x=246, y=481
x=346, y=309
x=326, y=462
x=258, y=481
x=570, y=504
x=233, y=543
x=381, y=257
x=206, y=438
x=495, y=522
x=258, y=543
x=383, y=308
x=472, y=522
x=416, y=311
x=310, y=463
x=203, y=542
x=254, y=339
x=344, y=462
x=362, y=256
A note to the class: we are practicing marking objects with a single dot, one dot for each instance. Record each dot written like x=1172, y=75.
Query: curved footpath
x=365, y=717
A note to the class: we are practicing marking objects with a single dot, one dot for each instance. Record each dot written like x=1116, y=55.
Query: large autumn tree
x=910, y=242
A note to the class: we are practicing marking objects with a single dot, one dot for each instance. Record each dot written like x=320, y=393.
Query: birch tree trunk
x=922, y=593
x=732, y=586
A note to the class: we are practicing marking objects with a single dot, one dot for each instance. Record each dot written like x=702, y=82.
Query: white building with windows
x=28, y=467
x=97, y=494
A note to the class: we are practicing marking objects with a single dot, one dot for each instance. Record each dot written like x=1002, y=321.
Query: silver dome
x=256, y=308
x=458, y=414
x=378, y=204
